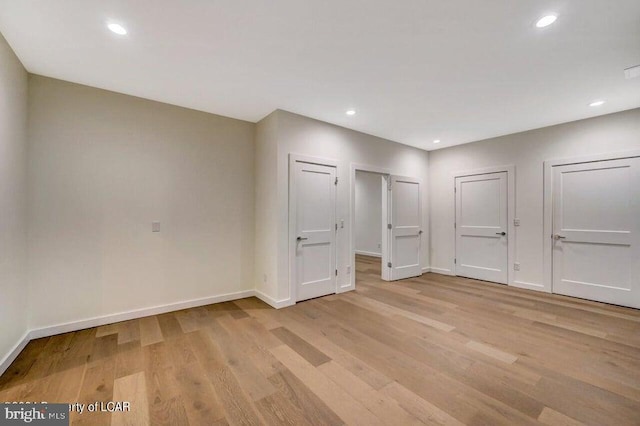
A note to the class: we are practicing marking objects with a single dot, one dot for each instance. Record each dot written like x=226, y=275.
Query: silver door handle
x=559, y=237
x=301, y=238
x=501, y=233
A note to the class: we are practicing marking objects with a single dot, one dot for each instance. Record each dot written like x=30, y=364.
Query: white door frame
x=354, y=167
x=293, y=199
x=511, y=211
x=548, y=203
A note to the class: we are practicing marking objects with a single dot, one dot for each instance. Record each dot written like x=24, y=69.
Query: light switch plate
x=155, y=226
x=516, y=222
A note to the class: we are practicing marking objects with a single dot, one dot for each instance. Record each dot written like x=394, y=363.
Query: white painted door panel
x=404, y=214
x=315, y=225
x=596, y=231
x=481, y=227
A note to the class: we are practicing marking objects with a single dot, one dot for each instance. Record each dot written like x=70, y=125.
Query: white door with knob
x=596, y=231
x=401, y=251
x=481, y=227
x=314, y=240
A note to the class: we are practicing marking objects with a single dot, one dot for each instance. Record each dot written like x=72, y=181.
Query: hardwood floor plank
x=303, y=348
x=150, y=331
x=315, y=410
x=553, y=418
x=131, y=389
x=343, y=404
x=432, y=349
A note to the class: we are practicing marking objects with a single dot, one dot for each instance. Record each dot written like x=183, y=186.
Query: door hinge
x=336, y=226
x=336, y=180
x=388, y=226
x=389, y=264
x=336, y=272
x=455, y=225
x=455, y=190
x=455, y=261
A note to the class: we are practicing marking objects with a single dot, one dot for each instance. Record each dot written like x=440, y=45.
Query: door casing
x=511, y=208
x=293, y=159
x=548, y=204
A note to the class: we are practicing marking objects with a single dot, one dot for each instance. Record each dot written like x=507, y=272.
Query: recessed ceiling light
x=117, y=28
x=596, y=103
x=351, y=112
x=545, y=21
x=436, y=141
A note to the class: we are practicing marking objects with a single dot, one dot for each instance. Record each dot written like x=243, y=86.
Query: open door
x=401, y=251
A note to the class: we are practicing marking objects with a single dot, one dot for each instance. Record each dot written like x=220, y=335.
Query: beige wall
x=266, y=198
x=527, y=151
x=102, y=167
x=13, y=198
x=302, y=135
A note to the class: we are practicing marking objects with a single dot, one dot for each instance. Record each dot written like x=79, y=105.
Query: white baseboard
x=273, y=302
x=13, y=353
x=368, y=253
x=426, y=269
x=529, y=286
x=441, y=271
x=345, y=289
x=113, y=318
x=138, y=313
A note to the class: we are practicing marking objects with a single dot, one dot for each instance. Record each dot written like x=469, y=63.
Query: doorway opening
x=397, y=238
x=370, y=225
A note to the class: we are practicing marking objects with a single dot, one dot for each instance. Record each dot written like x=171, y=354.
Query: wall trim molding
x=277, y=304
x=134, y=314
x=13, y=353
x=441, y=271
x=369, y=253
x=70, y=326
x=530, y=286
x=426, y=269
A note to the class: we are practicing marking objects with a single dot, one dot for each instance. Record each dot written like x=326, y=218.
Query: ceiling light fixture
x=596, y=103
x=351, y=112
x=436, y=141
x=117, y=28
x=545, y=21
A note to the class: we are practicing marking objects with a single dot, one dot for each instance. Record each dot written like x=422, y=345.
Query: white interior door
x=315, y=238
x=481, y=227
x=596, y=231
x=402, y=206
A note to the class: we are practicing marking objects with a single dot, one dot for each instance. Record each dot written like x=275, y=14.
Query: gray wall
x=13, y=198
x=527, y=151
x=102, y=167
x=369, y=213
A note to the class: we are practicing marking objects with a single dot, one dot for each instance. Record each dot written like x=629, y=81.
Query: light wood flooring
x=430, y=350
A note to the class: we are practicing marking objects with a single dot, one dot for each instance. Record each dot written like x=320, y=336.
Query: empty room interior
x=320, y=212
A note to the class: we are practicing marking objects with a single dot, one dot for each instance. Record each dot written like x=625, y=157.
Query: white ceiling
x=415, y=70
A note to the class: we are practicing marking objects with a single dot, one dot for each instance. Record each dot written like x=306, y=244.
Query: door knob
x=559, y=237
x=501, y=233
x=420, y=232
x=301, y=238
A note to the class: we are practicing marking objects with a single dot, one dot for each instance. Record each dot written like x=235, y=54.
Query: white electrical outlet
x=264, y=278
x=379, y=245
x=516, y=222
x=155, y=226
x=348, y=269
x=516, y=266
